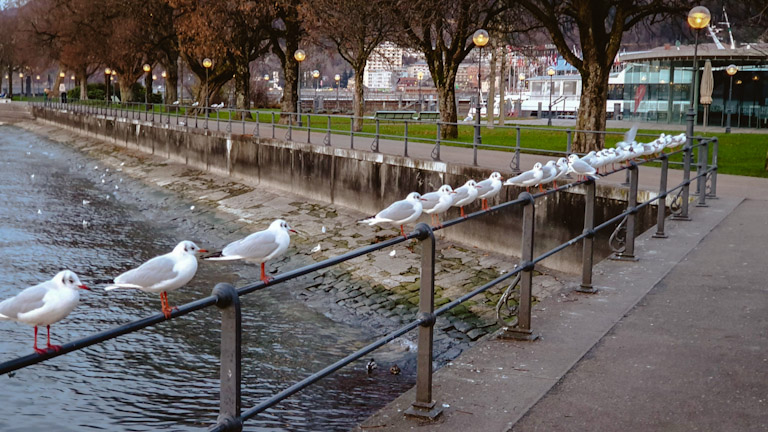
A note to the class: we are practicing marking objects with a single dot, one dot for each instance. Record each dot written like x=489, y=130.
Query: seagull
x=527, y=178
x=163, y=273
x=260, y=246
x=562, y=169
x=175, y=102
x=317, y=248
x=549, y=173
x=489, y=188
x=399, y=212
x=581, y=168
x=438, y=202
x=465, y=195
x=371, y=366
x=44, y=304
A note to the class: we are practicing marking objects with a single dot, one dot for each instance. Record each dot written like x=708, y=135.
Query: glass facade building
x=657, y=85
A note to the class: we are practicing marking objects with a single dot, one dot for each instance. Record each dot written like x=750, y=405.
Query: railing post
x=661, y=203
x=273, y=124
x=568, y=141
x=522, y=331
x=516, y=159
x=289, y=134
x=683, y=216
x=436, y=151
x=257, y=131
x=405, y=142
x=375, y=146
x=309, y=128
x=424, y=407
x=352, y=132
x=701, y=172
x=713, y=181
x=587, y=254
x=629, y=244
x=231, y=333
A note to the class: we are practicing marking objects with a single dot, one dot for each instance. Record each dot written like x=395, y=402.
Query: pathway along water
x=165, y=376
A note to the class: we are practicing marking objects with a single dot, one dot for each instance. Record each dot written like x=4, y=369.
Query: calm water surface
x=164, y=377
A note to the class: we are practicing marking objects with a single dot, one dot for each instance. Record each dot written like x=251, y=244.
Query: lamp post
x=337, y=78
x=21, y=79
x=147, y=87
x=207, y=63
x=480, y=39
x=520, y=78
x=315, y=75
x=731, y=71
x=420, y=76
x=300, y=56
x=551, y=73
x=164, y=74
x=698, y=18
x=107, y=76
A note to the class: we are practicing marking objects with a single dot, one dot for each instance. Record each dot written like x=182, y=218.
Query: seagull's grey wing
x=397, y=211
x=430, y=200
x=152, y=272
x=485, y=184
x=461, y=193
x=27, y=300
x=257, y=245
x=528, y=175
x=630, y=135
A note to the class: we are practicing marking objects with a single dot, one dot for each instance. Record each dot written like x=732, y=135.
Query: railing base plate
x=681, y=218
x=586, y=289
x=422, y=411
x=702, y=205
x=517, y=334
x=660, y=235
x=620, y=257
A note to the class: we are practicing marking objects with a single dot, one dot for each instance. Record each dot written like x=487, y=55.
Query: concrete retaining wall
x=365, y=181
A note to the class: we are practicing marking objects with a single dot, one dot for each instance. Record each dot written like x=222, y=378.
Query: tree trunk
x=10, y=81
x=489, y=104
x=126, y=92
x=291, y=76
x=82, y=78
x=594, y=97
x=242, y=85
x=359, y=102
x=171, y=82
x=446, y=100
x=502, y=86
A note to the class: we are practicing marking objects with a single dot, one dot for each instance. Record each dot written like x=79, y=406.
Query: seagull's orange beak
x=202, y=250
x=83, y=287
x=293, y=231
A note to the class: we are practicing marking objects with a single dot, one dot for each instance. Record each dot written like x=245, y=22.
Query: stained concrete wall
x=366, y=182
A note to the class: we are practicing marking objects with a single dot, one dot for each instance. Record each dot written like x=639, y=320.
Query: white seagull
x=562, y=169
x=163, y=273
x=260, y=246
x=527, y=178
x=548, y=174
x=399, y=212
x=465, y=195
x=489, y=188
x=438, y=202
x=44, y=304
x=581, y=168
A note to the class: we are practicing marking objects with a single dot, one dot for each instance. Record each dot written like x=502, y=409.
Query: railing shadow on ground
x=330, y=126
x=227, y=298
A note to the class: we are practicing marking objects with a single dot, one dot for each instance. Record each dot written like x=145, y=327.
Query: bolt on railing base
x=424, y=411
x=623, y=257
x=517, y=334
x=586, y=289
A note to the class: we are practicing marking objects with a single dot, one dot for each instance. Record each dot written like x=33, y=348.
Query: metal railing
x=331, y=129
x=226, y=297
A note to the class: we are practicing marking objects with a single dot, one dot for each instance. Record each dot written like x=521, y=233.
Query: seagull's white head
x=562, y=161
x=495, y=176
x=188, y=247
x=279, y=224
x=551, y=163
x=537, y=166
x=413, y=196
x=471, y=183
x=573, y=158
x=446, y=189
x=68, y=279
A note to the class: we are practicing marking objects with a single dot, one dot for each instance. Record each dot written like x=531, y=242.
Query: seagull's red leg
x=462, y=212
x=55, y=348
x=164, y=305
x=439, y=224
x=555, y=182
x=264, y=277
x=541, y=188
x=37, y=350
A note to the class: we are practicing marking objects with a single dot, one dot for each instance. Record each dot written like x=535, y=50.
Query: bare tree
x=355, y=28
x=285, y=35
x=599, y=26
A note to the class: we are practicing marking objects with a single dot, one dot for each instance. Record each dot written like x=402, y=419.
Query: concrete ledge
x=491, y=386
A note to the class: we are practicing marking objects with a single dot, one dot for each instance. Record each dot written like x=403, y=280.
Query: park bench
x=428, y=115
x=394, y=115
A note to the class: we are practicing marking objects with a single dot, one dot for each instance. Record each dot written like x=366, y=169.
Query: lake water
x=164, y=377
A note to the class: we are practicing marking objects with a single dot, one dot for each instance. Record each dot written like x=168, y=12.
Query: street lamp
x=420, y=76
x=520, y=78
x=300, y=56
x=164, y=74
x=551, y=73
x=315, y=75
x=731, y=71
x=21, y=79
x=147, y=87
x=480, y=39
x=207, y=63
x=698, y=18
x=107, y=76
x=337, y=78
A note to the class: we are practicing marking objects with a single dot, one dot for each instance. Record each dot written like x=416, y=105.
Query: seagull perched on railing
x=260, y=246
x=163, y=273
x=528, y=178
x=489, y=188
x=438, y=202
x=548, y=174
x=465, y=195
x=196, y=103
x=399, y=212
x=581, y=168
x=44, y=304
